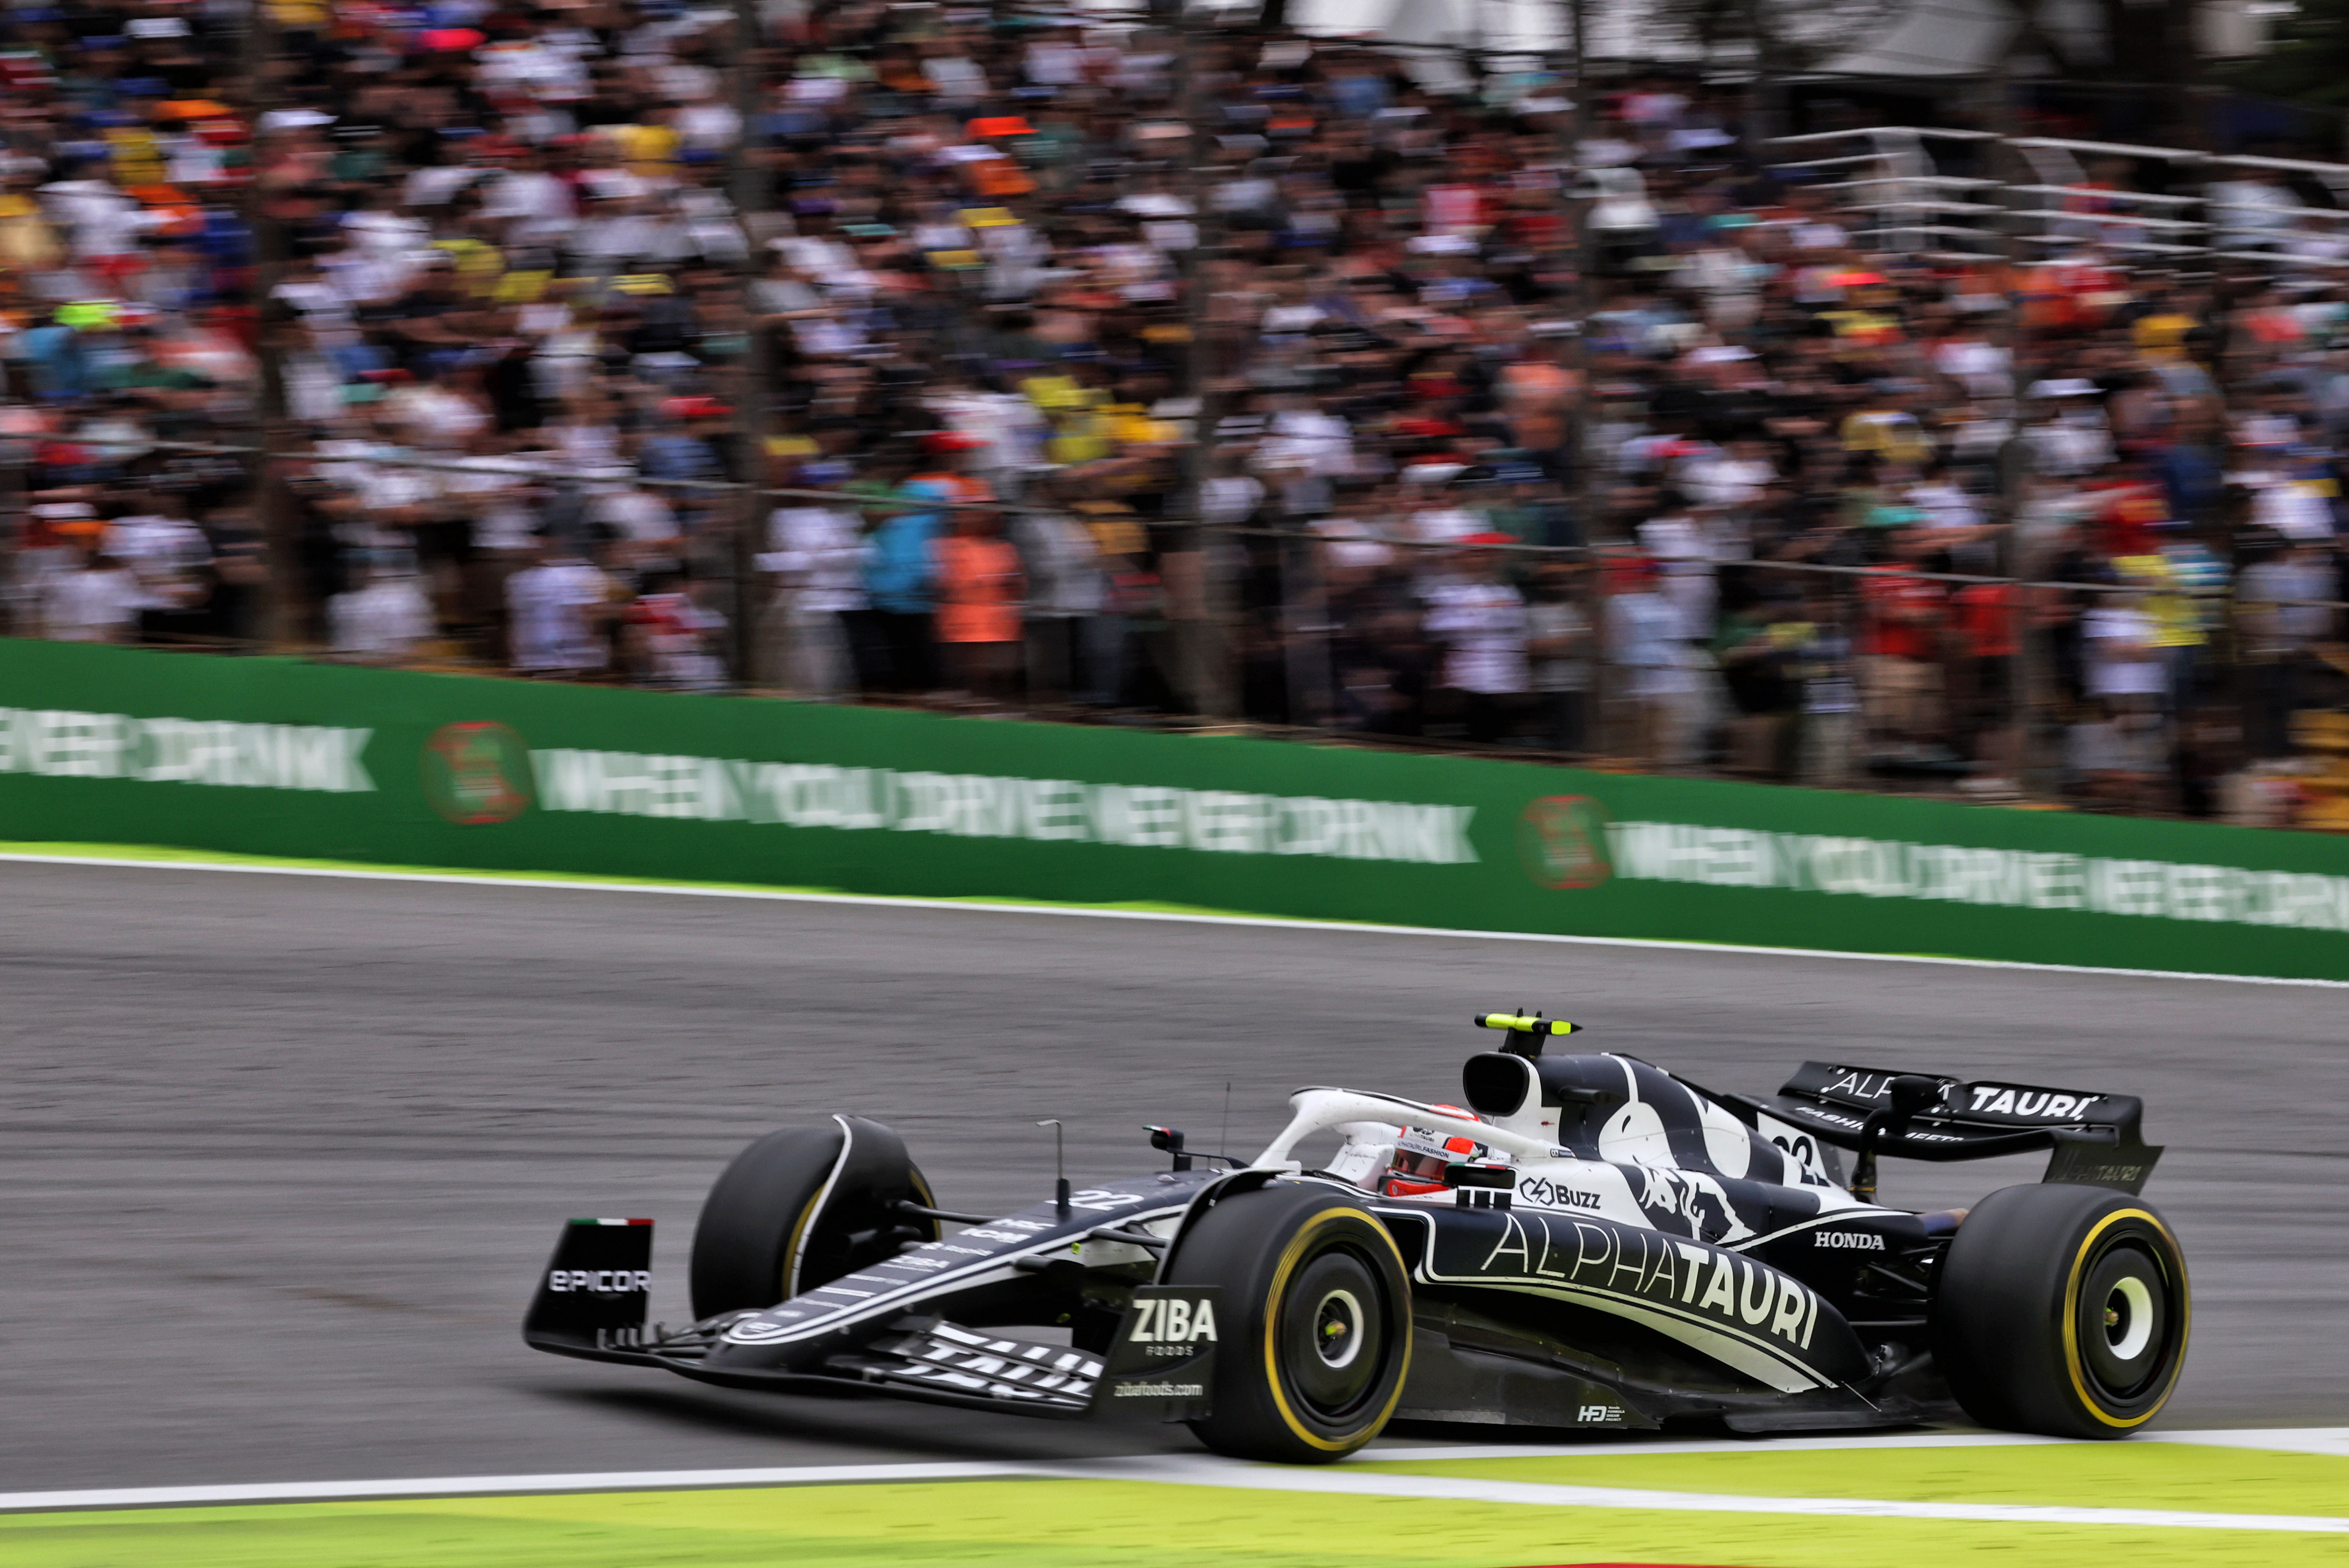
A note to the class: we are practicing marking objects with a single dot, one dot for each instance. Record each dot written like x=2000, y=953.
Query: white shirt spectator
x=90, y=603
x=637, y=515
x=1647, y=639
x=1483, y=627
x=1686, y=550
x=551, y=607
x=1983, y=368
x=2118, y=644
x=2071, y=443
x=819, y=552
x=1055, y=62
x=1724, y=481
x=2252, y=213
x=959, y=81
x=383, y=620
x=1063, y=565
x=2296, y=511
x=1945, y=505
x=164, y=554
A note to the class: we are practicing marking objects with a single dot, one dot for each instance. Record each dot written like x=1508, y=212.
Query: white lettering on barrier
x=56, y=742
x=984, y=805
x=2006, y=878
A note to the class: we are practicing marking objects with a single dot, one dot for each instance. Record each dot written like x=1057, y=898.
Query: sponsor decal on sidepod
x=1850, y=1240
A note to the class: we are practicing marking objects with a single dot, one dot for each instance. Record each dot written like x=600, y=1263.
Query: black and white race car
x=1590, y=1242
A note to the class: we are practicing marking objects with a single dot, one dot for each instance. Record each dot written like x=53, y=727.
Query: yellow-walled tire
x=2063, y=1310
x=1315, y=1322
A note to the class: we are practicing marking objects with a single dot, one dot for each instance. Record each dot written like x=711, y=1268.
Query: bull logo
x=1562, y=842
x=477, y=774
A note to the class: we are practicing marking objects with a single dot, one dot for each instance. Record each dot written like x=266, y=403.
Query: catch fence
x=2163, y=688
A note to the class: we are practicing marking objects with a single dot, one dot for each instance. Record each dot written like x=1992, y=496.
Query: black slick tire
x=2061, y=1309
x=799, y=1208
x=1316, y=1311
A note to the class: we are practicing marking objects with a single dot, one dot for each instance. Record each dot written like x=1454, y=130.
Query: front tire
x=2063, y=1310
x=800, y=1208
x=1317, y=1323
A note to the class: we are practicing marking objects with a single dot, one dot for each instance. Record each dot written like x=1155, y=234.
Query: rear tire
x=801, y=1207
x=2061, y=1309
x=1317, y=1323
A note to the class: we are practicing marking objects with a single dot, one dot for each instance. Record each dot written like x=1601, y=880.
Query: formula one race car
x=1590, y=1242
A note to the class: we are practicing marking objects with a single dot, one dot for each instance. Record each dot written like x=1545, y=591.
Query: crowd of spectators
x=1092, y=368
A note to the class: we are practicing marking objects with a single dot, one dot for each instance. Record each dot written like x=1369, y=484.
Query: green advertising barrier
x=285, y=758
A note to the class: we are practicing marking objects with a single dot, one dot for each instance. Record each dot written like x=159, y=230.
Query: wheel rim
x=1333, y=1335
x=1338, y=1329
x=2125, y=1312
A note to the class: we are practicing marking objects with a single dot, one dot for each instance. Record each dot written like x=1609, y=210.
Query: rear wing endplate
x=2096, y=1139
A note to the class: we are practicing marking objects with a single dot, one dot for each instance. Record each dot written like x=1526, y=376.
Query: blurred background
x=1940, y=398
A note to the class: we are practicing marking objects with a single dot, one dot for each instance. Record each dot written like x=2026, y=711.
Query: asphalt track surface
x=283, y=1155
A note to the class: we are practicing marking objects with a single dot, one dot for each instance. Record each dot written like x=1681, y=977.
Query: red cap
x=952, y=440
x=695, y=408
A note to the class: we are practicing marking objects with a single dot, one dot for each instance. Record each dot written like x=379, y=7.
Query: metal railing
x=1906, y=205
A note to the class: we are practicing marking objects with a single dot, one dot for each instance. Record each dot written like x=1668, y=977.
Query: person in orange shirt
x=980, y=588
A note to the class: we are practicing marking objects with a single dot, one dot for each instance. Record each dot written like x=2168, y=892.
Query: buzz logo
x=1848, y=1241
x=1170, y=1320
x=1599, y=1413
x=602, y=1282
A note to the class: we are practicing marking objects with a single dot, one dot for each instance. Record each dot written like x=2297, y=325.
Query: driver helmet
x=1421, y=1156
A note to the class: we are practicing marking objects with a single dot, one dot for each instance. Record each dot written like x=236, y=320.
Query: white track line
x=1629, y=1446
x=1060, y=912
x=2328, y=1441
x=1449, y=1489
x=2331, y=1442
x=464, y=1486
x=1351, y=1480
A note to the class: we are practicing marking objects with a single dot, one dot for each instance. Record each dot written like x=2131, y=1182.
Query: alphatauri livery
x=1588, y=1241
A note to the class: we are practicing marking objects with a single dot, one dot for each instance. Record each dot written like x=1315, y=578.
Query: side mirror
x=1169, y=1140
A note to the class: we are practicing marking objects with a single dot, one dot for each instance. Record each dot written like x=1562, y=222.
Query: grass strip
x=2175, y=1476
x=1073, y=1524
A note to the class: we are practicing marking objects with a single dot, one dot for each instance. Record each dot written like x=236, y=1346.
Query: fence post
x=751, y=393
x=273, y=516
x=1585, y=450
x=1304, y=618
x=1205, y=648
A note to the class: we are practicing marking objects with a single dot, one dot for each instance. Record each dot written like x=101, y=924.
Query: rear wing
x=2097, y=1138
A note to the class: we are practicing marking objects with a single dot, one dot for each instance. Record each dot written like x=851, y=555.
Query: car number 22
x=1100, y=1197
